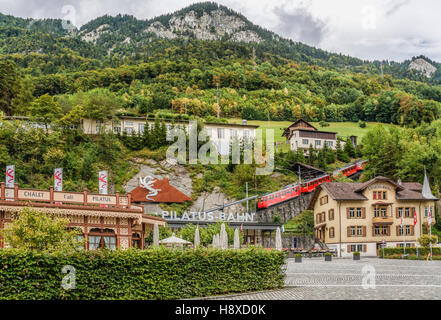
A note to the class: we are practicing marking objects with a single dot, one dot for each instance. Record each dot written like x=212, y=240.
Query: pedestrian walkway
x=346, y=279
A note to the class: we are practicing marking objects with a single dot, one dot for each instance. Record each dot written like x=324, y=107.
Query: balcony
x=383, y=221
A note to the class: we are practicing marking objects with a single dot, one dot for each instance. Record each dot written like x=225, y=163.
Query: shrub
x=362, y=124
x=298, y=255
x=327, y=254
x=389, y=252
x=356, y=253
x=139, y=274
x=425, y=240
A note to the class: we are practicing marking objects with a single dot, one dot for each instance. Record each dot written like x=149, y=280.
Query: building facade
x=106, y=221
x=301, y=135
x=351, y=217
x=221, y=134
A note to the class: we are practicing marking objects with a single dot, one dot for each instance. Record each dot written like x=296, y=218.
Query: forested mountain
x=112, y=41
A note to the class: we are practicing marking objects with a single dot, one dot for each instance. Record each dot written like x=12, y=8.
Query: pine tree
x=349, y=148
x=341, y=154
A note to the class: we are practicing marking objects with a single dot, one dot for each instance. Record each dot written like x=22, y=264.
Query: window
x=408, y=232
x=352, y=212
x=359, y=213
x=331, y=214
x=375, y=195
x=136, y=241
x=141, y=127
x=331, y=232
x=117, y=130
x=305, y=141
x=323, y=200
x=400, y=231
x=377, y=231
x=129, y=123
x=360, y=231
x=352, y=231
x=329, y=143
x=357, y=247
x=383, y=212
x=129, y=130
x=376, y=212
x=426, y=212
x=407, y=212
x=400, y=212
x=220, y=133
x=384, y=231
x=102, y=239
x=318, y=143
x=246, y=133
x=233, y=133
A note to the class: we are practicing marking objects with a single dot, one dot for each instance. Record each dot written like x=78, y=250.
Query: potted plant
x=298, y=257
x=356, y=255
x=328, y=256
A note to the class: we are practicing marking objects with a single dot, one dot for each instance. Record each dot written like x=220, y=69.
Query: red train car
x=294, y=190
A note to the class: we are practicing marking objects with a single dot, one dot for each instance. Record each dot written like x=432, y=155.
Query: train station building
x=106, y=221
x=351, y=217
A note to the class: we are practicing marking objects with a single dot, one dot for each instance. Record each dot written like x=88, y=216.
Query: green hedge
x=400, y=251
x=139, y=274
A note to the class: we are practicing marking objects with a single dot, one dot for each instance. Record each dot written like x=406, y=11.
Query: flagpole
x=430, y=233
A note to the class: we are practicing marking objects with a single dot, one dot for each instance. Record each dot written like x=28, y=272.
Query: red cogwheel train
x=294, y=190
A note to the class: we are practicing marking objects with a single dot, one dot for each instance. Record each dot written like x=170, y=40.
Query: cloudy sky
x=368, y=29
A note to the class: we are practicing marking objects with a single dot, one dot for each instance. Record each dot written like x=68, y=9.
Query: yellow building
x=351, y=217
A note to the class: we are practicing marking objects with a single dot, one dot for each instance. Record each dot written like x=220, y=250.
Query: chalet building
x=301, y=135
x=106, y=221
x=359, y=217
x=221, y=134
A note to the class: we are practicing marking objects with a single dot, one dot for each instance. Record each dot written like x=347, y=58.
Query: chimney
x=244, y=122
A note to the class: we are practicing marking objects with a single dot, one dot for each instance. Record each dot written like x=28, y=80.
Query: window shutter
x=398, y=230
x=363, y=210
x=324, y=216
x=388, y=231
x=364, y=248
x=349, y=231
x=347, y=213
x=364, y=231
x=412, y=230
x=373, y=231
x=349, y=248
x=396, y=212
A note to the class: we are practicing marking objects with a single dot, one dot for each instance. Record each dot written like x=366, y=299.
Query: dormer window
x=380, y=195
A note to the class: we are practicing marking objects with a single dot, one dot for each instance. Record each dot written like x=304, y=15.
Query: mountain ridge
x=126, y=36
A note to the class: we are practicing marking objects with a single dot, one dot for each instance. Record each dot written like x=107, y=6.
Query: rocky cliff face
x=422, y=66
x=215, y=25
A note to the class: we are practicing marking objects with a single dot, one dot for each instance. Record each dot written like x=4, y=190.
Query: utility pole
x=218, y=112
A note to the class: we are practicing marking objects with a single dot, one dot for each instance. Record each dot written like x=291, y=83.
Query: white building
x=301, y=135
x=221, y=134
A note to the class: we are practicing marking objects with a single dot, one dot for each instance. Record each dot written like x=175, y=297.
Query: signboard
x=68, y=197
x=102, y=179
x=58, y=179
x=100, y=199
x=24, y=194
x=9, y=193
x=10, y=176
x=209, y=216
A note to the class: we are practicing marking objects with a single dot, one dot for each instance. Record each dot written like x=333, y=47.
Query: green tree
x=349, y=148
x=41, y=231
x=425, y=240
x=45, y=110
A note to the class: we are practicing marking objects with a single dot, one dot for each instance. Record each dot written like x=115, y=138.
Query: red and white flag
x=415, y=220
x=429, y=219
x=58, y=179
x=241, y=227
x=10, y=176
x=402, y=221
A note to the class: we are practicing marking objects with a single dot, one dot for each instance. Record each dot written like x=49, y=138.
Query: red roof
x=168, y=193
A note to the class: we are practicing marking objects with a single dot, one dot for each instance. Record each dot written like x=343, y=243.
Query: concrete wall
x=286, y=210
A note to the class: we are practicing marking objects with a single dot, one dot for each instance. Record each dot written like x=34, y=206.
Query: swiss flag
x=415, y=220
x=241, y=227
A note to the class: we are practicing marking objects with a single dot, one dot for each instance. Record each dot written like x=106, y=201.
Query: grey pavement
x=346, y=279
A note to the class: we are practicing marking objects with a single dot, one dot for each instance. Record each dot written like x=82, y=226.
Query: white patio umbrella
x=278, y=239
x=197, y=239
x=223, y=235
x=213, y=244
x=156, y=235
x=175, y=241
x=218, y=240
x=236, y=239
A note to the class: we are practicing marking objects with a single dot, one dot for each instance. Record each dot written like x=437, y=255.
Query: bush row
x=139, y=274
x=399, y=251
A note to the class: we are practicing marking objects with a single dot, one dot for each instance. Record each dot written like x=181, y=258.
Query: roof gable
x=167, y=193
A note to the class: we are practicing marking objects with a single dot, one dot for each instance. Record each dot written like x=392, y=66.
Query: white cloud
x=369, y=29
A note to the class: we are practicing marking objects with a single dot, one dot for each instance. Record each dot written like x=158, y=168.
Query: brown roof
x=377, y=179
x=354, y=190
x=167, y=193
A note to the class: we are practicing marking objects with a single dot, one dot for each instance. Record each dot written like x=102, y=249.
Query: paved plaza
x=345, y=279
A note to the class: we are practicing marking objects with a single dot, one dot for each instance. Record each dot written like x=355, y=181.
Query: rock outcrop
x=422, y=66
